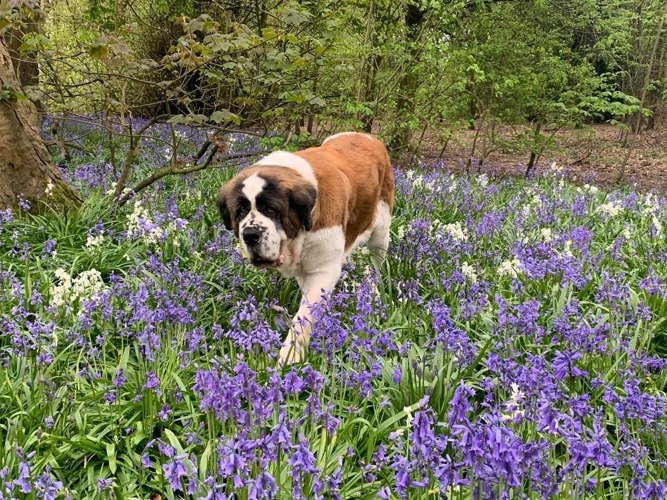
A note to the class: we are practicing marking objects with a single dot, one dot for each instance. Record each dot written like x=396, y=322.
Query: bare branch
x=174, y=170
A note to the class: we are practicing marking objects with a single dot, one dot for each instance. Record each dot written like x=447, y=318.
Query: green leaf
x=177, y=119
x=173, y=440
x=203, y=461
x=317, y=101
x=225, y=115
x=295, y=17
x=99, y=52
x=111, y=457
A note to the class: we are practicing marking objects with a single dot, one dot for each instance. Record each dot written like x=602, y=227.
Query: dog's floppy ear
x=302, y=200
x=224, y=209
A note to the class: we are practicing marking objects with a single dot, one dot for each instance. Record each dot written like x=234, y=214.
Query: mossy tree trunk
x=25, y=165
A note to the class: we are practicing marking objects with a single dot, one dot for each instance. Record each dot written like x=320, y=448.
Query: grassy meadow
x=513, y=346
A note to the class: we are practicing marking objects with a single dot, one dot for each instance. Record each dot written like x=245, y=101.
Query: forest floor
x=590, y=155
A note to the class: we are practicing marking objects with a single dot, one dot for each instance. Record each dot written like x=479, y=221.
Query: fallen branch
x=582, y=158
x=173, y=169
x=134, y=144
x=170, y=170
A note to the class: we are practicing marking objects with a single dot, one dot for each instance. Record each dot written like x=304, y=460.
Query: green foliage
x=517, y=72
x=62, y=401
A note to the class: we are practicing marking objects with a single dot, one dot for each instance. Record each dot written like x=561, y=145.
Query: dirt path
x=592, y=155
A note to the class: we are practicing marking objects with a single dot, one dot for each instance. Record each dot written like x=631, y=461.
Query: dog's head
x=265, y=207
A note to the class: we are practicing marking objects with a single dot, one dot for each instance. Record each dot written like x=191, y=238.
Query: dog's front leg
x=313, y=287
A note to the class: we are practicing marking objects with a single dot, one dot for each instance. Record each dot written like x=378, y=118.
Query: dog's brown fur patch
x=353, y=174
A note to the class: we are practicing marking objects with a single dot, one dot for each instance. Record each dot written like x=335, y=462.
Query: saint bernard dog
x=303, y=214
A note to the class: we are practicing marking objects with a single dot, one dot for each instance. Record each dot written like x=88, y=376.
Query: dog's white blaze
x=252, y=186
x=290, y=160
x=347, y=133
x=270, y=248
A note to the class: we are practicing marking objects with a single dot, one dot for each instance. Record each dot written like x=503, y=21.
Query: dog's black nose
x=251, y=236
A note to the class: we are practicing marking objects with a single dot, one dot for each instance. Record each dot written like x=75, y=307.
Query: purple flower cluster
x=512, y=345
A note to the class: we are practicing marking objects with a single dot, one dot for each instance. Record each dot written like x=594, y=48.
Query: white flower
x=94, y=242
x=537, y=201
x=139, y=223
x=431, y=187
x=134, y=218
x=545, y=232
x=525, y=211
x=452, y=186
x=590, y=189
x=567, y=252
x=612, y=208
x=483, y=180
x=658, y=227
x=553, y=166
x=456, y=231
x=49, y=188
x=401, y=233
x=511, y=268
x=408, y=415
x=418, y=181
x=86, y=285
x=410, y=174
x=469, y=272
x=651, y=204
x=627, y=233
x=61, y=291
x=513, y=404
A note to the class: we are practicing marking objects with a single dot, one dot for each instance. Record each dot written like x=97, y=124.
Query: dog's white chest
x=314, y=252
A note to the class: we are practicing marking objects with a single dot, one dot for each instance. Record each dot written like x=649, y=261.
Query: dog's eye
x=267, y=209
x=240, y=212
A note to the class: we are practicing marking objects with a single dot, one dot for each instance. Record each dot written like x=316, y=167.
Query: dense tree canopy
x=306, y=68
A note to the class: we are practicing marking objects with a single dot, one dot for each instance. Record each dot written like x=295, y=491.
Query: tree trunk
x=409, y=81
x=647, y=80
x=25, y=166
x=26, y=67
x=533, y=153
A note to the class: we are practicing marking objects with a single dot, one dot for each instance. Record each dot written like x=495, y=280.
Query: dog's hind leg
x=378, y=243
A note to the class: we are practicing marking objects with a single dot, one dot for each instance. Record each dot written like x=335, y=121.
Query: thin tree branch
x=69, y=144
x=174, y=170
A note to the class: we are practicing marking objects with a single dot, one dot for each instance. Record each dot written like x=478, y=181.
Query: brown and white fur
x=303, y=213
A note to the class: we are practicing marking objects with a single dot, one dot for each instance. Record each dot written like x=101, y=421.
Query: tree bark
x=409, y=81
x=26, y=67
x=647, y=80
x=25, y=166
